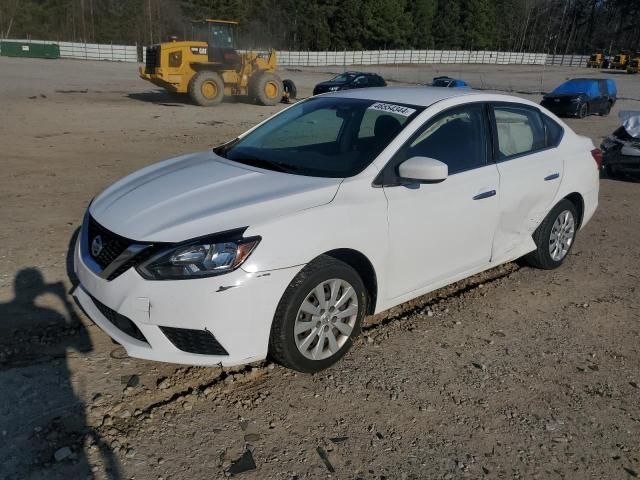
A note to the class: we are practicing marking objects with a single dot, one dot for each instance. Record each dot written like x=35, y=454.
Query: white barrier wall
x=394, y=57
x=129, y=53
x=91, y=51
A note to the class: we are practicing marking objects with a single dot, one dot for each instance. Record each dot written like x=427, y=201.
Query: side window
x=361, y=81
x=457, y=137
x=520, y=131
x=297, y=134
x=554, y=132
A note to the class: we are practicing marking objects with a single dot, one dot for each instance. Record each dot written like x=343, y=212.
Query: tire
x=607, y=109
x=290, y=89
x=266, y=88
x=297, y=351
x=583, y=111
x=553, y=223
x=206, y=89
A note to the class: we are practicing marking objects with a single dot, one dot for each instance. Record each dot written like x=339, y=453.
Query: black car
x=349, y=80
x=621, y=150
x=581, y=97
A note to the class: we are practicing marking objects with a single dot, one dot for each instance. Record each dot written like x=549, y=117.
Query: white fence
x=91, y=51
x=129, y=53
x=395, y=57
x=399, y=57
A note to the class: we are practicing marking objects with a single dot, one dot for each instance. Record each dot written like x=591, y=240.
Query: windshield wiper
x=221, y=150
x=266, y=164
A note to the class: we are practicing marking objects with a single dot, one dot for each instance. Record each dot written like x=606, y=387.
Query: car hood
x=329, y=83
x=200, y=194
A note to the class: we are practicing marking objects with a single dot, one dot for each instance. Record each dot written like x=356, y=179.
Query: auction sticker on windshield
x=389, y=107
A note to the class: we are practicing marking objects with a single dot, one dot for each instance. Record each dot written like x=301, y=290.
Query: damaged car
x=581, y=97
x=621, y=150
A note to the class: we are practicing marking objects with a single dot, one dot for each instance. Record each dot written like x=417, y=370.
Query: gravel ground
x=515, y=373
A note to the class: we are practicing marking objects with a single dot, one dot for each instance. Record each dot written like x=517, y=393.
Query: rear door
x=530, y=173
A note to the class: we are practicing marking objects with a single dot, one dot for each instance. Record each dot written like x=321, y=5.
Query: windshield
x=323, y=137
x=344, y=77
x=443, y=82
x=578, y=86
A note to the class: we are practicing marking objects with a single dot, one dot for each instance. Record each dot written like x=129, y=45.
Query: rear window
x=554, y=132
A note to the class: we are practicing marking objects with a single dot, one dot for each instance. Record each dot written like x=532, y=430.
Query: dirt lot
x=517, y=373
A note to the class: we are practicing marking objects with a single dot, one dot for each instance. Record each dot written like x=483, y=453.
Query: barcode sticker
x=390, y=108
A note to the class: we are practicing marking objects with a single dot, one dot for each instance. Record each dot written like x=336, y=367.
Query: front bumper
x=562, y=109
x=236, y=308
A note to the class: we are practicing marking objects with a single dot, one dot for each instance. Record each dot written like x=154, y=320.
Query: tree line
x=550, y=26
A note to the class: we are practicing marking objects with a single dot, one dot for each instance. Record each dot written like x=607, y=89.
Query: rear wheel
x=266, y=88
x=206, y=89
x=554, y=237
x=318, y=316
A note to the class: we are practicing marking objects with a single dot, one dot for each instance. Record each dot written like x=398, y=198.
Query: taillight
x=596, y=153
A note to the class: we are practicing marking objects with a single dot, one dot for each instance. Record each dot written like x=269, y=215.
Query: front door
x=437, y=231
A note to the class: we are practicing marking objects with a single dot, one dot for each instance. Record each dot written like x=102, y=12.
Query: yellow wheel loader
x=634, y=64
x=210, y=68
x=620, y=61
x=595, y=60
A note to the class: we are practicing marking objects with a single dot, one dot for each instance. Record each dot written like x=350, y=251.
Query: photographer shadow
x=39, y=410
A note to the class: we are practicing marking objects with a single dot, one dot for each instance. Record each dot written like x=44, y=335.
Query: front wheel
x=583, y=111
x=318, y=316
x=554, y=237
x=266, y=88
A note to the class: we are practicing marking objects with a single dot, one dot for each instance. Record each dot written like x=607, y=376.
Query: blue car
x=449, y=82
x=580, y=97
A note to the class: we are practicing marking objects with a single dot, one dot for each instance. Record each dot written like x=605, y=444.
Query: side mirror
x=423, y=170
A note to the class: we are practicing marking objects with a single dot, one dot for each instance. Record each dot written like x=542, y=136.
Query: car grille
x=112, y=245
x=194, y=341
x=152, y=59
x=121, y=322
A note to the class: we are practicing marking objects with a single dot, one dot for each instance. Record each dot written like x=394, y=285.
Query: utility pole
x=84, y=26
x=150, y=23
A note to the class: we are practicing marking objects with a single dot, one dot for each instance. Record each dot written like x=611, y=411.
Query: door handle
x=486, y=194
x=553, y=176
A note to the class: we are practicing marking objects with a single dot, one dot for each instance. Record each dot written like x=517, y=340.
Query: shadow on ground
x=43, y=428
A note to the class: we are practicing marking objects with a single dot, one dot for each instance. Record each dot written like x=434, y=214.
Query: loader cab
x=221, y=37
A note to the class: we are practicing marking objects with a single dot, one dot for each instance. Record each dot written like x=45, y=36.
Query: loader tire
x=206, y=89
x=266, y=88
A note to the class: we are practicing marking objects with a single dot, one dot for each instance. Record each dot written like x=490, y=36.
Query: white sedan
x=279, y=242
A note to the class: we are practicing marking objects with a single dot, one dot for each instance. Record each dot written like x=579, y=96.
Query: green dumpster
x=31, y=50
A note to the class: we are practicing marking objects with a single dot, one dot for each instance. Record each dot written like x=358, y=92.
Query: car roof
x=353, y=72
x=422, y=96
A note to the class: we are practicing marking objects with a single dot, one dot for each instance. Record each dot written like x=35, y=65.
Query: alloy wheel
x=562, y=235
x=326, y=319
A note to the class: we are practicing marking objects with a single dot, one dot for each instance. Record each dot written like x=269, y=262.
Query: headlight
x=334, y=89
x=202, y=258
